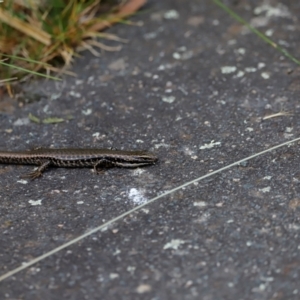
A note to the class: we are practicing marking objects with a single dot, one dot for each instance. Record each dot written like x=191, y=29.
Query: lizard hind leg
x=38, y=172
x=100, y=164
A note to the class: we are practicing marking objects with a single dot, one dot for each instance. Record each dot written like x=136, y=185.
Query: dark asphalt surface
x=193, y=86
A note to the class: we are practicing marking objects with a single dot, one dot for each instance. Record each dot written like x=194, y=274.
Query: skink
x=96, y=158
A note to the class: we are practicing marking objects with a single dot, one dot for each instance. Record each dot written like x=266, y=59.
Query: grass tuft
x=44, y=36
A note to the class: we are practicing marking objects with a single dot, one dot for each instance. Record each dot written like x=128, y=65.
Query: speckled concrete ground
x=195, y=87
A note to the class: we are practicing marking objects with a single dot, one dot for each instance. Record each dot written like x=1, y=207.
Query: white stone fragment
x=174, y=244
x=171, y=14
x=169, y=99
x=212, y=144
x=35, y=202
x=228, y=69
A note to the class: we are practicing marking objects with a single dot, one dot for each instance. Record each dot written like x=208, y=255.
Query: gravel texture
x=195, y=87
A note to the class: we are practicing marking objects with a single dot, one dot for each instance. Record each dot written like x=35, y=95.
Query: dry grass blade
x=4, y=81
x=279, y=114
x=24, y=27
x=127, y=10
x=32, y=4
x=104, y=47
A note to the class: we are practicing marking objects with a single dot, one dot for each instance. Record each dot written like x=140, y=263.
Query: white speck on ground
x=293, y=227
x=157, y=146
x=21, y=122
x=250, y=69
x=200, y=204
x=260, y=288
x=138, y=171
x=104, y=228
x=265, y=75
x=195, y=21
x=131, y=269
x=23, y=181
x=241, y=51
x=74, y=94
x=269, y=32
x=118, y=65
x=171, y=14
x=86, y=112
x=113, y=275
x=203, y=218
x=150, y=35
x=143, y=288
x=267, y=279
x=174, y=244
x=117, y=252
x=228, y=69
x=279, y=11
x=283, y=43
x=212, y=144
x=184, y=56
x=266, y=189
x=288, y=135
x=169, y=99
x=35, y=202
x=78, y=81
x=180, y=88
x=239, y=74
x=176, y=55
x=34, y=270
x=96, y=134
x=231, y=42
x=54, y=96
x=188, y=151
x=137, y=196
